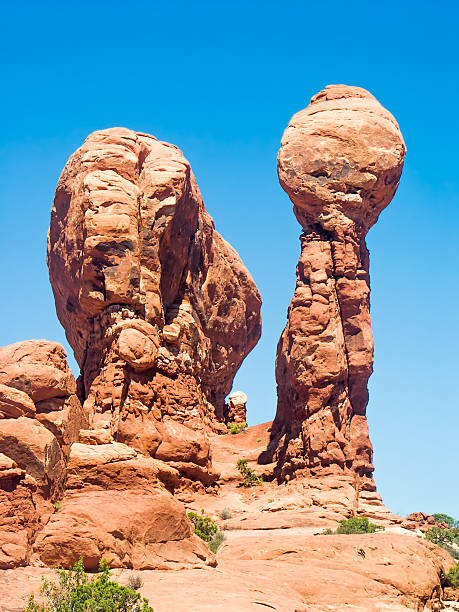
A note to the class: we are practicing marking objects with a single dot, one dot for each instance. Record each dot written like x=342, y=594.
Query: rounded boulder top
x=341, y=158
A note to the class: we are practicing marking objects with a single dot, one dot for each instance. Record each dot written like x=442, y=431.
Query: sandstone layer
x=40, y=417
x=340, y=162
x=285, y=570
x=158, y=308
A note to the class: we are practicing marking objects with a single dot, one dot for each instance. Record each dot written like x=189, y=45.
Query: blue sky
x=221, y=80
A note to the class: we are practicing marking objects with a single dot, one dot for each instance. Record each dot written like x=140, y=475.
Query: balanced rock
x=236, y=408
x=340, y=162
x=158, y=308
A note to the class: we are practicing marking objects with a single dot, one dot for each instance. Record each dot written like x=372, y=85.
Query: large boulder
x=132, y=528
x=38, y=368
x=116, y=507
x=340, y=162
x=158, y=308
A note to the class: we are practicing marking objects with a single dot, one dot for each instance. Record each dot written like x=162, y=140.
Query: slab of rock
x=15, y=403
x=134, y=528
x=340, y=162
x=158, y=308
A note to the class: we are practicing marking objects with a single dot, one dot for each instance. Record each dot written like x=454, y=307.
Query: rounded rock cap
x=341, y=158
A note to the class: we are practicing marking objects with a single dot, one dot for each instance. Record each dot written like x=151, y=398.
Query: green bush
x=452, y=577
x=204, y=526
x=135, y=582
x=251, y=479
x=235, y=428
x=357, y=524
x=207, y=530
x=74, y=591
x=441, y=536
x=448, y=539
x=445, y=518
x=217, y=541
x=225, y=514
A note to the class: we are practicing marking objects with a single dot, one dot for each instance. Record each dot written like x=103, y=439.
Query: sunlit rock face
x=158, y=308
x=340, y=162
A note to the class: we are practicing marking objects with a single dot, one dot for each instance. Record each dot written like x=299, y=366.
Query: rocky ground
x=274, y=555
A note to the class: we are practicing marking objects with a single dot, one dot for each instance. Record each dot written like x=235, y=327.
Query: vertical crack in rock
x=340, y=162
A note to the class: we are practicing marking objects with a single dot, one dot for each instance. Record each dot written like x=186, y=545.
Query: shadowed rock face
x=159, y=309
x=340, y=162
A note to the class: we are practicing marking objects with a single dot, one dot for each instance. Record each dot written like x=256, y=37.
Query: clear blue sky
x=221, y=80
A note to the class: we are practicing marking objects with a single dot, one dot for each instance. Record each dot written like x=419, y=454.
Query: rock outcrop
x=340, y=163
x=158, y=308
x=236, y=408
x=40, y=419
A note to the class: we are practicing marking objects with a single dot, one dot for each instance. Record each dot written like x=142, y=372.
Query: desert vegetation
x=73, y=591
x=235, y=428
x=355, y=524
x=207, y=530
x=250, y=478
x=447, y=538
x=225, y=514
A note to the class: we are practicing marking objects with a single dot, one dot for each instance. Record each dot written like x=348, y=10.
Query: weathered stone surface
x=38, y=368
x=35, y=438
x=236, y=409
x=422, y=521
x=340, y=163
x=159, y=309
x=131, y=528
x=15, y=403
x=33, y=448
x=118, y=467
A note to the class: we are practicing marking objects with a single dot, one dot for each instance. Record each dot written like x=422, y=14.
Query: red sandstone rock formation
x=40, y=417
x=340, y=163
x=159, y=309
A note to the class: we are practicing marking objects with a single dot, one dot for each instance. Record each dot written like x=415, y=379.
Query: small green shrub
x=452, y=577
x=448, y=539
x=441, y=536
x=225, y=514
x=74, y=591
x=327, y=531
x=357, y=524
x=207, y=530
x=258, y=440
x=135, y=582
x=57, y=506
x=235, y=428
x=251, y=479
x=204, y=526
x=217, y=541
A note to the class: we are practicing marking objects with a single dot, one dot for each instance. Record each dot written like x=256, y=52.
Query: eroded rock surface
x=159, y=309
x=340, y=163
x=40, y=417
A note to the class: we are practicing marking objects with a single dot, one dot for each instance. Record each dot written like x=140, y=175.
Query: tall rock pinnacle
x=340, y=162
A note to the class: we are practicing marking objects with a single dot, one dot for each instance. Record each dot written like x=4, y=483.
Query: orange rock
x=158, y=308
x=133, y=528
x=340, y=163
x=38, y=368
x=15, y=403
